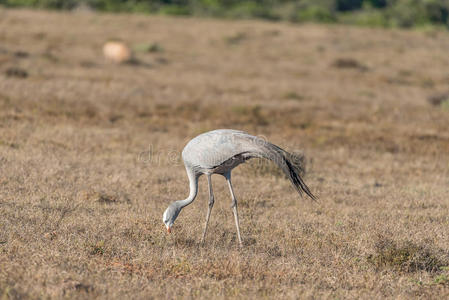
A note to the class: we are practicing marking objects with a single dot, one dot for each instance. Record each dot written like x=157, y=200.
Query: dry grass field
x=90, y=159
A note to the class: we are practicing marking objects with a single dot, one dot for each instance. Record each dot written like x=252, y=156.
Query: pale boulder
x=117, y=52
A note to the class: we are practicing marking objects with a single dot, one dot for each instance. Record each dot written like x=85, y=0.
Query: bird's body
x=218, y=152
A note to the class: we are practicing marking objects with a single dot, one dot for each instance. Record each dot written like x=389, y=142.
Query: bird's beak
x=169, y=229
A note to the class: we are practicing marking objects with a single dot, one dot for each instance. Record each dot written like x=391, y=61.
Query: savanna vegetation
x=90, y=159
x=381, y=13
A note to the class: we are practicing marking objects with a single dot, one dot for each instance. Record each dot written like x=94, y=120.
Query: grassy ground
x=90, y=158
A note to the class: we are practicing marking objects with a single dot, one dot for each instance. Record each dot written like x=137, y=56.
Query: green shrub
x=369, y=18
x=406, y=13
x=409, y=13
x=176, y=10
x=375, y=3
x=315, y=13
x=54, y=4
x=247, y=9
x=437, y=11
x=347, y=5
x=394, y=13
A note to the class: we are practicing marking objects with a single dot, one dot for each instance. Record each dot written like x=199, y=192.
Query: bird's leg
x=211, y=204
x=234, y=206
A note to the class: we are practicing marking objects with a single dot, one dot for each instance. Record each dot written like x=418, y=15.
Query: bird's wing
x=213, y=148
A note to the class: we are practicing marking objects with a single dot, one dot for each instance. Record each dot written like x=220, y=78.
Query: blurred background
x=383, y=13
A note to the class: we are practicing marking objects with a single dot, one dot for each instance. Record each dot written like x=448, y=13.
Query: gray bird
x=220, y=151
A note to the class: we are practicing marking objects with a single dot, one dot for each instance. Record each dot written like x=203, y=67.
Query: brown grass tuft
x=349, y=63
x=407, y=256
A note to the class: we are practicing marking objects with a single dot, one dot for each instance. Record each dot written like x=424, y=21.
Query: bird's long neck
x=193, y=179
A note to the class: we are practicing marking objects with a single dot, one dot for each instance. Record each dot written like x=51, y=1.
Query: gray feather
x=224, y=149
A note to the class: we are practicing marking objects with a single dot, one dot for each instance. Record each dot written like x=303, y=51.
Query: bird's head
x=170, y=215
